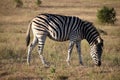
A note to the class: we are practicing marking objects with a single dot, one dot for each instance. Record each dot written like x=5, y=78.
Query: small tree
x=107, y=15
x=19, y=3
x=38, y=2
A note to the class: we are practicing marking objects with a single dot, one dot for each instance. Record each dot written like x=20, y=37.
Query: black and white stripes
x=63, y=28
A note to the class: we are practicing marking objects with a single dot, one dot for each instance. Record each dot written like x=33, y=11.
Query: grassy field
x=13, y=50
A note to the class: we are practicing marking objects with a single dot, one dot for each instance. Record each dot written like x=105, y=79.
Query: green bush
x=52, y=69
x=19, y=3
x=106, y=15
x=38, y=2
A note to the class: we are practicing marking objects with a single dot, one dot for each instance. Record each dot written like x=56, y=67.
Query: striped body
x=61, y=28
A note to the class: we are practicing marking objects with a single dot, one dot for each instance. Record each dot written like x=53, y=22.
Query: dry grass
x=13, y=25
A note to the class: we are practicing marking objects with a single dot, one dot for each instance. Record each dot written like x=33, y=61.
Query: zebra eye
x=96, y=42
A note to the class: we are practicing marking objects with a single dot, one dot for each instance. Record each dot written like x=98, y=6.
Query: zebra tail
x=28, y=35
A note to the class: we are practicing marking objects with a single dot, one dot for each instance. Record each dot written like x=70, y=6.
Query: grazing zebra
x=63, y=28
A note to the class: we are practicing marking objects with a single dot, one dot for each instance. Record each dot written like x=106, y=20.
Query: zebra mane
x=87, y=22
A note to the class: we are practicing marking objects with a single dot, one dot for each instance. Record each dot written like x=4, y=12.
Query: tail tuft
x=27, y=40
x=28, y=35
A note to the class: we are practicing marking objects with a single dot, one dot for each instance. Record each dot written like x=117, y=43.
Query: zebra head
x=96, y=51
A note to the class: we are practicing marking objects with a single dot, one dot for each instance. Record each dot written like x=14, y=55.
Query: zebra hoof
x=28, y=63
x=46, y=65
x=81, y=63
x=68, y=63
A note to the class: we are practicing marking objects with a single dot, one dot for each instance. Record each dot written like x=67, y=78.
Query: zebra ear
x=98, y=40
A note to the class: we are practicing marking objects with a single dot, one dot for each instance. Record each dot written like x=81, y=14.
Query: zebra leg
x=71, y=44
x=41, y=41
x=79, y=52
x=30, y=48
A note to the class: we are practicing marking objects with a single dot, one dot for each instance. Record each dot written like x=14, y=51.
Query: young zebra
x=63, y=28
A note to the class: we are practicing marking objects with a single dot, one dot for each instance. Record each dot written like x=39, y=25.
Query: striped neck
x=90, y=33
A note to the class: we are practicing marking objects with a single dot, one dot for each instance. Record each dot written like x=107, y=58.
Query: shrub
x=19, y=3
x=106, y=15
x=52, y=69
x=38, y=2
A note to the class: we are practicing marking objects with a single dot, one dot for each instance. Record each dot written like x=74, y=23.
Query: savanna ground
x=13, y=51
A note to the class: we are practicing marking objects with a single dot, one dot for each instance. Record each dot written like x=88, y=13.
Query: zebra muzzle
x=99, y=63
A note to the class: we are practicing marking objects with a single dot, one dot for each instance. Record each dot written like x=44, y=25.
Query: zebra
x=63, y=28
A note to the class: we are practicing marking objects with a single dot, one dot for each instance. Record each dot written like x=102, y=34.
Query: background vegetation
x=13, y=26
x=19, y=3
x=107, y=15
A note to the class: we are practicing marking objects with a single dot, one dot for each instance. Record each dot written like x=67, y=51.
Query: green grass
x=13, y=50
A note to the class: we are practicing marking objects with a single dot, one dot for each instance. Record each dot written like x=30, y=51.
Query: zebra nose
x=99, y=63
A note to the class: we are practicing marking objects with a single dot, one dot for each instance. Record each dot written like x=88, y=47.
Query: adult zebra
x=63, y=28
